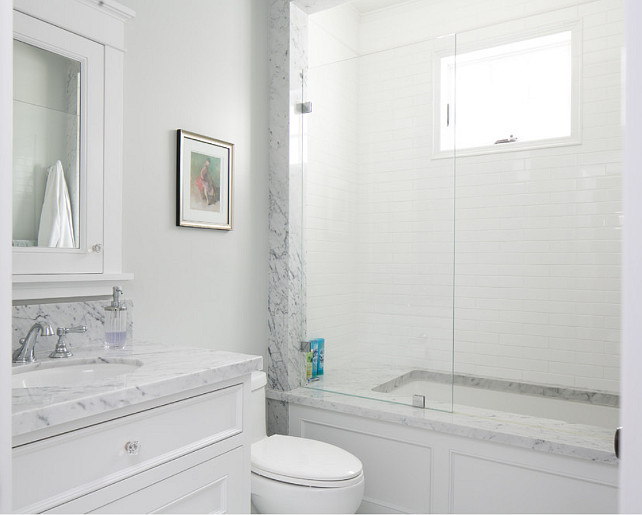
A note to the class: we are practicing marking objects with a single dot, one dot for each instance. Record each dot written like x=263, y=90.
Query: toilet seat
x=297, y=481
x=271, y=496
x=305, y=462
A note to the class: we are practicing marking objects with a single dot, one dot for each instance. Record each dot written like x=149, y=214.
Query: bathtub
x=502, y=447
x=574, y=406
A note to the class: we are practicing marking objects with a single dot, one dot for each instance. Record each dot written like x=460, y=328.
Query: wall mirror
x=46, y=148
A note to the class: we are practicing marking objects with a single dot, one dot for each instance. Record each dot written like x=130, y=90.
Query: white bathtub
x=570, y=405
x=503, y=447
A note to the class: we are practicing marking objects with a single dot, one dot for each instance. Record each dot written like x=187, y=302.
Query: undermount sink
x=69, y=374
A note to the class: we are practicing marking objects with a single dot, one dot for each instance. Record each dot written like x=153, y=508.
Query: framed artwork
x=204, y=169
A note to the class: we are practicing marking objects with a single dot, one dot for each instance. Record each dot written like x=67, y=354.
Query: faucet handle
x=61, y=350
x=61, y=331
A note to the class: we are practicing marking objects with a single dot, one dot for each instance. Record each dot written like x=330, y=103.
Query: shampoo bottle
x=321, y=364
x=308, y=367
x=314, y=347
x=116, y=322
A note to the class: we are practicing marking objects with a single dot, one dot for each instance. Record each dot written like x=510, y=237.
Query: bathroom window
x=509, y=96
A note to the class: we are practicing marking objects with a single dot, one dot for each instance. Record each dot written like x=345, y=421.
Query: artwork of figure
x=205, y=187
x=205, y=184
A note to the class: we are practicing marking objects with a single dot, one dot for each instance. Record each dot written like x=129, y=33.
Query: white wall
x=538, y=232
x=631, y=413
x=198, y=65
x=6, y=102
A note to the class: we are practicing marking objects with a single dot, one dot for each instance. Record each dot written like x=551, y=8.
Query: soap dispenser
x=116, y=322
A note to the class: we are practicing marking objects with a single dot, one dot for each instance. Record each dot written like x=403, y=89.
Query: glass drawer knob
x=97, y=248
x=132, y=448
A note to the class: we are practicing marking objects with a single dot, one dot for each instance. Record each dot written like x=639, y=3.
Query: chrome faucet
x=26, y=353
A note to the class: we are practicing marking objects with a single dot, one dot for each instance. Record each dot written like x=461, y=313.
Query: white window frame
x=445, y=105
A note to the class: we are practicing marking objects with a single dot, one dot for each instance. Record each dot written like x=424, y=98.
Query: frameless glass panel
x=378, y=228
x=536, y=246
x=46, y=142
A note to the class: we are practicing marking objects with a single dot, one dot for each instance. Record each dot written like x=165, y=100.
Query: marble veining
x=164, y=371
x=277, y=417
x=278, y=51
x=287, y=57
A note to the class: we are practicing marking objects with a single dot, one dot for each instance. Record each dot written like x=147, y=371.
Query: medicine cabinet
x=67, y=147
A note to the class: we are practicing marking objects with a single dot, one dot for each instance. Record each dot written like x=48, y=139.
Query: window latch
x=510, y=139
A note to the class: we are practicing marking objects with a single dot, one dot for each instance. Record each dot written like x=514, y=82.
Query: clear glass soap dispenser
x=116, y=322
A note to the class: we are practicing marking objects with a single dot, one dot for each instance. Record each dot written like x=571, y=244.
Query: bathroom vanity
x=154, y=429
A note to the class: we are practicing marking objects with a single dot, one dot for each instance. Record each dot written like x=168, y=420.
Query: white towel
x=56, y=226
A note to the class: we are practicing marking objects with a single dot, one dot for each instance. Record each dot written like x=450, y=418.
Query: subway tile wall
x=510, y=260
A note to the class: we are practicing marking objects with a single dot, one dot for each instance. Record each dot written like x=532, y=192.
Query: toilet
x=299, y=475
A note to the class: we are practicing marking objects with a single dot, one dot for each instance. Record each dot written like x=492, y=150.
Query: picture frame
x=204, y=173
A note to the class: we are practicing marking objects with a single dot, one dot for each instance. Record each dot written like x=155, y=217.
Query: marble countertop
x=163, y=372
x=548, y=435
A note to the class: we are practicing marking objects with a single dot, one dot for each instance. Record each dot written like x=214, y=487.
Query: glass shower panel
x=379, y=227
x=539, y=203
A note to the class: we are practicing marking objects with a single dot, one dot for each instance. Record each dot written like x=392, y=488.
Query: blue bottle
x=314, y=348
x=321, y=356
x=317, y=345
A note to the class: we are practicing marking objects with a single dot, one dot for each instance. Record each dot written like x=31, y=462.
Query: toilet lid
x=304, y=461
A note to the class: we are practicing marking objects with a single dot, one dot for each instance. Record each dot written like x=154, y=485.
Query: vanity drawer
x=204, y=481
x=58, y=468
x=209, y=487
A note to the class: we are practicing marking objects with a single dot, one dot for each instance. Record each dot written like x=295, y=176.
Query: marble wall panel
x=288, y=57
x=66, y=314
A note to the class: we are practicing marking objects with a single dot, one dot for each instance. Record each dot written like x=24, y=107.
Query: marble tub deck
x=547, y=435
x=165, y=371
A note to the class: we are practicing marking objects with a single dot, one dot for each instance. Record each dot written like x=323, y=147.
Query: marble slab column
x=286, y=314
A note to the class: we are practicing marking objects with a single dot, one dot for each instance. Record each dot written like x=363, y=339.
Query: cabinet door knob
x=97, y=248
x=132, y=447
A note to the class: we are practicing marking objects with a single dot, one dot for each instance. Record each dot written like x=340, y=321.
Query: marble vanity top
x=164, y=372
x=547, y=435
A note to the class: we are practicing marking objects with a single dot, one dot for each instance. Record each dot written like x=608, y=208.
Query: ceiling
x=363, y=6
x=367, y=6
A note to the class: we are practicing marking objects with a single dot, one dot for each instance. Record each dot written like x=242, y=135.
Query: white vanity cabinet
x=185, y=456
x=68, y=106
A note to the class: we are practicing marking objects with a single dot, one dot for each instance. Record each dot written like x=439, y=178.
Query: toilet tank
x=257, y=406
